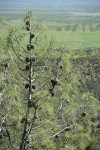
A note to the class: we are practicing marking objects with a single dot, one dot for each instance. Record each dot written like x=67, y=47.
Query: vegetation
x=49, y=91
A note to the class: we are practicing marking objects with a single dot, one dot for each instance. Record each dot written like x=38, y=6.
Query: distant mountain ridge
x=12, y=8
x=39, y=3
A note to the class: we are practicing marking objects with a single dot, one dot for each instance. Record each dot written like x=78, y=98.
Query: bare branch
x=69, y=127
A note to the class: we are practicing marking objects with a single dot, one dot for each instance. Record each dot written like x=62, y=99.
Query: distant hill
x=37, y=4
x=15, y=8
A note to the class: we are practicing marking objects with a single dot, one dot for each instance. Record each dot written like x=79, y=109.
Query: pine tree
x=43, y=106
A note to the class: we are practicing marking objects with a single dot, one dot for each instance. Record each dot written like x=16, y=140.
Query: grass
x=75, y=39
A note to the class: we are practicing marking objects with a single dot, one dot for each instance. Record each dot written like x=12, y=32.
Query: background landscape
x=71, y=22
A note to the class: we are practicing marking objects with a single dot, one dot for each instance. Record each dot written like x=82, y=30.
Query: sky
x=51, y=1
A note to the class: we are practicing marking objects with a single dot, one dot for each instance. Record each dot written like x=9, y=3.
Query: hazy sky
x=50, y=1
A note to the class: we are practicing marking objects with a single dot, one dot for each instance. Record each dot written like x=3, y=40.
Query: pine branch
x=16, y=53
x=66, y=128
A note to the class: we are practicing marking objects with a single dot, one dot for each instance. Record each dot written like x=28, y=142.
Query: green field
x=76, y=39
x=84, y=22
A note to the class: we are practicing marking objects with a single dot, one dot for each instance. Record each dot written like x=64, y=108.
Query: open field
x=71, y=25
x=76, y=39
